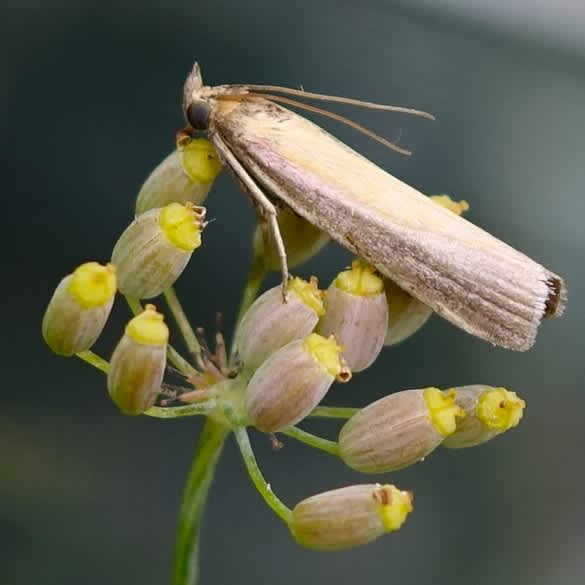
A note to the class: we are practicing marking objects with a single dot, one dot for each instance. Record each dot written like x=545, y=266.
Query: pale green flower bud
x=270, y=323
x=457, y=207
x=398, y=430
x=302, y=240
x=186, y=174
x=138, y=362
x=350, y=516
x=155, y=248
x=489, y=412
x=406, y=314
x=292, y=381
x=356, y=312
x=79, y=308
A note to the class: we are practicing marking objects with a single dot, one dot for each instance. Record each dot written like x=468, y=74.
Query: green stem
x=183, y=323
x=180, y=362
x=278, y=507
x=174, y=356
x=334, y=412
x=326, y=445
x=95, y=360
x=134, y=305
x=203, y=408
x=212, y=438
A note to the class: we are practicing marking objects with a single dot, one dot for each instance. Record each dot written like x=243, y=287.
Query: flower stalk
x=334, y=412
x=199, y=409
x=94, y=359
x=314, y=441
x=277, y=506
x=183, y=323
x=186, y=567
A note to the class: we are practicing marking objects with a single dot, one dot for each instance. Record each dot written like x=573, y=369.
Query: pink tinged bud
x=79, y=308
x=270, y=323
x=138, y=363
x=292, y=381
x=489, y=412
x=350, y=516
x=398, y=430
x=406, y=314
x=356, y=312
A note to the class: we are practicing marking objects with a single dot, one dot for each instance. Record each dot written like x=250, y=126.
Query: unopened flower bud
x=350, y=516
x=489, y=412
x=356, y=312
x=186, y=174
x=138, y=362
x=292, y=381
x=302, y=240
x=270, y=323
x=79, y=308
x=398, y=430
x=457, y=207
x=155, y=248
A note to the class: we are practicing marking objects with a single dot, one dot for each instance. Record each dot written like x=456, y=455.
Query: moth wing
x=466, y=275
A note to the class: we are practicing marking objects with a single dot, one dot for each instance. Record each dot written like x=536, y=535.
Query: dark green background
x=90, y=102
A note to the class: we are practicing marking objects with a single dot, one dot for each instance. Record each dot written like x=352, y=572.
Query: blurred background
x=90, y=102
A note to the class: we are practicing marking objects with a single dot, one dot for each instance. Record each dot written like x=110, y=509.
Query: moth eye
x=198, y=115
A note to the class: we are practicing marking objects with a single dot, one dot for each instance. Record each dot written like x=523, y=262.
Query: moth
x=469, y=277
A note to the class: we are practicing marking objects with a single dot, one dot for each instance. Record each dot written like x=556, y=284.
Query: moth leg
x=281, y=250
x=265, y=206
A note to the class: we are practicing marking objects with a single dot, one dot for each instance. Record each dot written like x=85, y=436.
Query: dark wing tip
x=557, y=297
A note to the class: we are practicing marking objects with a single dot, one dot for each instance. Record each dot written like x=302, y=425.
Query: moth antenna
x=339, y=100
x=337, y=117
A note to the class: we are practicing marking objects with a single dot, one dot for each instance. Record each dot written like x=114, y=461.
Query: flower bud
x=398, y=430
x=185, y=175
x=138, y=362
x=457, y=207
x=349, y=516
x=302, y=240
x=356, y=312
x=489, y=412
x=406, y=314
x=270, y=323
x=79, y=308
x=155, y=248
x=292, y=381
